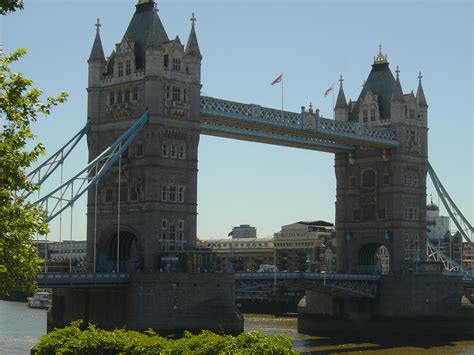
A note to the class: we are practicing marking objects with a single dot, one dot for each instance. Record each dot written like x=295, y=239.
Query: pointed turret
x=97, y=52
x=341, y=98
x=420, y=95
x=192, y=47
x=156, y=34
x=397, y=95
x=380, y=82
x=145, y=29
x=340, y=110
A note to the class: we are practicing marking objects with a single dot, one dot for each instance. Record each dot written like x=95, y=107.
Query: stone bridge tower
x=158, y=180
x=381, y=195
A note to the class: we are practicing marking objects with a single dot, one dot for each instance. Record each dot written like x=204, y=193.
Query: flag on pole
x=328, y=90
x=278, y=79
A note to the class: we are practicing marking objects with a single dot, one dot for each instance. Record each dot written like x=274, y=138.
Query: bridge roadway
x=57, y=280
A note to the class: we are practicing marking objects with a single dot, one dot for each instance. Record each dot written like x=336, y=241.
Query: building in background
x=240, y=254
x=305, y=246
x=468, y=255
x=65, y=256
x=438, y=226
x=244, y=231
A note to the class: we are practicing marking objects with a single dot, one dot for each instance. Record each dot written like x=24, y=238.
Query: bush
x=73, y=340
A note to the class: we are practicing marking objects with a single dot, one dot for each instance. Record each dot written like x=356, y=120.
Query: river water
x=20, y=328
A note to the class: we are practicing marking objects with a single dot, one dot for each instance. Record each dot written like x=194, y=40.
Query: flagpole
x=282, y=92
x=333, y=101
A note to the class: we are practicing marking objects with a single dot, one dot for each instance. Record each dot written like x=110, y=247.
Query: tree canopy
x=7, y=6
x=20, y=220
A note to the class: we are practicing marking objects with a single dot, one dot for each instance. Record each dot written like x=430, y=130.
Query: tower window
x=372, y=115
x=182, y=151
x=164, y=149
x=123, y=191
x=120, y=69
x=112, y=98
x=164, y=195
x=176, y=93
x=166, y=60
x=368, y=178
x=368, y=212
x=172, y=232
x=365, y=116
x=135, y=93
x=139, y=149
x=127, y=95
x=181, y=194
x=172, y=194
x=412, y=113
x=176, y=64
x=406, y=111
x=128, y=68
x=173, y=151
x=134, y=193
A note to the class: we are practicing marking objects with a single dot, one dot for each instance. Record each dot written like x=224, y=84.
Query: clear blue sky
x=245, y=45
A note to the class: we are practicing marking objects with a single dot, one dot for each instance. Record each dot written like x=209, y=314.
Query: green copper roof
x=144, y=29
x=380, y=82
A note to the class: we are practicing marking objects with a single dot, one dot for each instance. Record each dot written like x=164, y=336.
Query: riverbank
x=21, y=327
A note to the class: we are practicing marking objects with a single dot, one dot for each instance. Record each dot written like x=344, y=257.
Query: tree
x=10, y=5
x=20, y=220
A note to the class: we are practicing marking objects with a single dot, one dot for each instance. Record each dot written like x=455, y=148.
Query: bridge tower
x=157, y=184
x=381, y=194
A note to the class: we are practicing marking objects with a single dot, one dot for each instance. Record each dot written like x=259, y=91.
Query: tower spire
x=380, y=58
x=397, y=94
x=192, y=46
x=420, y=95
x=97, y=52
x=341, y=98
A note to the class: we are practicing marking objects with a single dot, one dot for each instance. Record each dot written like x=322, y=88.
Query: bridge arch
x=373, y=258
x=129, y=248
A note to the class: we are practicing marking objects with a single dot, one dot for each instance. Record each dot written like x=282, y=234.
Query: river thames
x=21, y=327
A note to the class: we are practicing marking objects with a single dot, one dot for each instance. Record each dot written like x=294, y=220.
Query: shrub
x=91, y=340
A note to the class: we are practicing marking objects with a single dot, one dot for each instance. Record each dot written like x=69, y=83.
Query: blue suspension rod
x=53, y=162
x=84, y=178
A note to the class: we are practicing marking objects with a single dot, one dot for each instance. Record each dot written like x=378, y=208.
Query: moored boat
x=40, y=300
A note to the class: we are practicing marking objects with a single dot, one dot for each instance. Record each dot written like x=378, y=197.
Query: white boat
x=40, y=300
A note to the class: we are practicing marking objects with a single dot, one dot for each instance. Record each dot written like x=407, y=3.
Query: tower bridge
x=145, y=117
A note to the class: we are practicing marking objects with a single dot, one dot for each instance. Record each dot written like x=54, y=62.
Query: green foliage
x=7, y=6
x=20, y=104
x=71, y=340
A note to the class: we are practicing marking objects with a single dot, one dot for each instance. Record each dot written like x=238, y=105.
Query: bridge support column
x=402, y=304
x=166, y=302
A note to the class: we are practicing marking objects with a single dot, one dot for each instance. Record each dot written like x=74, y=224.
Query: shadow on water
x=397, y=344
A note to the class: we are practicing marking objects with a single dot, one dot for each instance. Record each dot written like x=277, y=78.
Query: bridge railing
x=302, y=276
x=64, y=279
x=257, y=114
